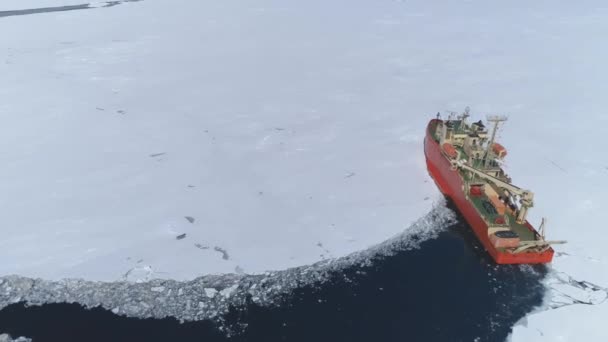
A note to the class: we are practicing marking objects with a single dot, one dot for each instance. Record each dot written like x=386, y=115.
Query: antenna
x=464, y=116
x=496, y=120
x=451, y=114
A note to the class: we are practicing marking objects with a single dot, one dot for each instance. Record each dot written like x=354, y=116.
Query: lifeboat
x=499, y=150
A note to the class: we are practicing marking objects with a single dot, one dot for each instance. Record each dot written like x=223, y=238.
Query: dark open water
x=447, y=290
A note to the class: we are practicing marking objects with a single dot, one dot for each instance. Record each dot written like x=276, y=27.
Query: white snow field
x=269, y=141
x=279, y=133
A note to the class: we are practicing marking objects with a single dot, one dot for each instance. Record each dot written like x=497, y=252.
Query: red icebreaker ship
x=465, y=162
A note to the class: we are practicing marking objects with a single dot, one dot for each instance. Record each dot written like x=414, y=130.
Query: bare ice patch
x=63, y=8
x=224, y=253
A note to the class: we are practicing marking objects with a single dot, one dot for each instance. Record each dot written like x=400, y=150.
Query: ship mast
x=496, y=120
x=464, y=116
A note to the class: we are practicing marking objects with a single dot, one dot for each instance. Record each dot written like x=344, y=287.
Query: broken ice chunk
x=158, y=289
x=210, y=292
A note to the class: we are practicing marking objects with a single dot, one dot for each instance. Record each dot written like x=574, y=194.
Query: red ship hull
x=451, y=185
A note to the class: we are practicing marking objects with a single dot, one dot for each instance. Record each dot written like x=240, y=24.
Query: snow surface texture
x=208, y=297
x=289, y=131
x=157, y=119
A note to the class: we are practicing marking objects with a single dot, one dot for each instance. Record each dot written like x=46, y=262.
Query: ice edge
x=210, y=296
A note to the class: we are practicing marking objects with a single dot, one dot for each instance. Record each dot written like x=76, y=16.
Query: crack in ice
x=564, y=290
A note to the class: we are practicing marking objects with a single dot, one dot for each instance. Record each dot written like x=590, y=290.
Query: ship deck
x=489, y=216
x=522, y=230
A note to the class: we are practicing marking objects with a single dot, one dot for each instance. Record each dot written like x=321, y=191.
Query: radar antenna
x=463, y=117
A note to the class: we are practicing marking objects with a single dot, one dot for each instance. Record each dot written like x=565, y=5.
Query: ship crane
x=527, y=197
x=527, y=201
